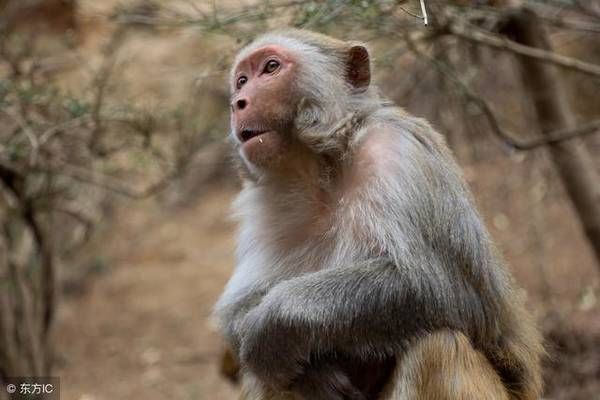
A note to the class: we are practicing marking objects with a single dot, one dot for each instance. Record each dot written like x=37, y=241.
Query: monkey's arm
x=231, y=311
x=369, y=311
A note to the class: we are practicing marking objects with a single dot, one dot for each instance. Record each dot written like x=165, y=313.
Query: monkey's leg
x=440, y=366
x=444, y=366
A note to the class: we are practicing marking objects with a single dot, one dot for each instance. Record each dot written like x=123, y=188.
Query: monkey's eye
x=241, y=82
x=271, y=66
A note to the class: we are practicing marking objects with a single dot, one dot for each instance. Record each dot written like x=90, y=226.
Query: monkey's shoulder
x=395, y=127
x=391, y=135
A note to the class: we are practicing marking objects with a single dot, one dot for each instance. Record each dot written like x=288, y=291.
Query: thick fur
x=373, y=250
x=444, y=366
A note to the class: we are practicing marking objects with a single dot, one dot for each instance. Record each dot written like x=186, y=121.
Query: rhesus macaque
x=364, y=270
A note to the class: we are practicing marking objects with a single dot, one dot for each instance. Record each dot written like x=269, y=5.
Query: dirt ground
x=147, y=331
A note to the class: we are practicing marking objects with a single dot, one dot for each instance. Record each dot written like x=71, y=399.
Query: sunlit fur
x=393, y=207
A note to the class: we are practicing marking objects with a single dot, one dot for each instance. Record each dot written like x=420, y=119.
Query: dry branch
x=509, y=138
x=472, y=34
x=572, y=160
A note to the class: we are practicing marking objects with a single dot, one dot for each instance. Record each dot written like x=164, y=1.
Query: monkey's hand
x=271, y=348
x=277, y=354
x=326, y=381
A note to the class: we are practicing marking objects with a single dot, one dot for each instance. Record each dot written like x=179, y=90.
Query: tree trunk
x=573, y=161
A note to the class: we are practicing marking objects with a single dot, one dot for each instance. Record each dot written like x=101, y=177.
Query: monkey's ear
x=358, y=68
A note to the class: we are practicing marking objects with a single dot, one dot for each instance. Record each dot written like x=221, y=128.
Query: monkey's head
x=289, y=87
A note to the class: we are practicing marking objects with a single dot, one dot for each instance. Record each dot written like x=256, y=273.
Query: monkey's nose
x=241, y=104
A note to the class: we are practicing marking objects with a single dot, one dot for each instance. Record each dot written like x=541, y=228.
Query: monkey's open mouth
x=248, y=134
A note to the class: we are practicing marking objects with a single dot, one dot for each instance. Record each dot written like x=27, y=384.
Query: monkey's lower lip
x=248, y=134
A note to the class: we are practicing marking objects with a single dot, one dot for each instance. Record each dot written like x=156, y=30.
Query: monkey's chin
x=264, y=150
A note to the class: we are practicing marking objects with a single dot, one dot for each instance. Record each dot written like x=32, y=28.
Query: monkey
x=364, y=270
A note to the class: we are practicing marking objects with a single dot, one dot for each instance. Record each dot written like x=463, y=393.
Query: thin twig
x=102, y=80
x=48, y=133
x=83, y=220
x=588, y=8
x=503, y=43
x=110, y=183
x=29, y=134
x=562, y=135
x=412, y=14
x=574, y=25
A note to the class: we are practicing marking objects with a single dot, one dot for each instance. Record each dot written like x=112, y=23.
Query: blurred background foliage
x=115, y=173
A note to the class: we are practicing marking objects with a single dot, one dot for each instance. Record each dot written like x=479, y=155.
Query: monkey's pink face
x=264, y=104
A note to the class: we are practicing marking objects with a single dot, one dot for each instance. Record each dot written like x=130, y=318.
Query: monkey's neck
x=304, y=172
x=312, y=188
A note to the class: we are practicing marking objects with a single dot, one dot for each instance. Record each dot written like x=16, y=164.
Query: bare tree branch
x=460, y=30
x=110, y=183
x=591, y=9
x=507, y=137
x=574, y=25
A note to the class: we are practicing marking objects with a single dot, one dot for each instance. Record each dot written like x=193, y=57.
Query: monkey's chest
x=281, y=243
x=321, y=253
